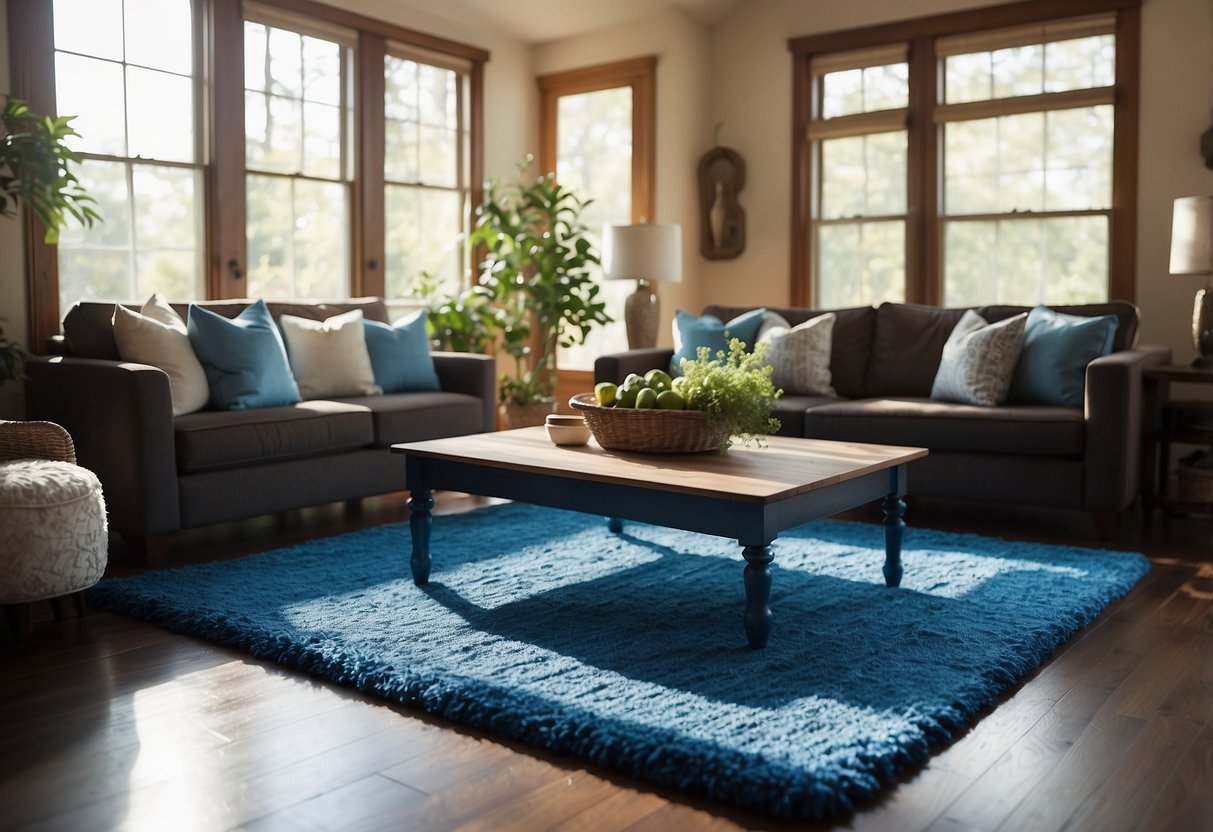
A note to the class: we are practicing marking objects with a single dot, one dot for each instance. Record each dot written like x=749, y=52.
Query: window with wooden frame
x=598, y=134
x=267, y=179
x=1019, y=176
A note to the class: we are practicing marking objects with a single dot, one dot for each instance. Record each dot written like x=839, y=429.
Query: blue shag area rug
x=628, y=650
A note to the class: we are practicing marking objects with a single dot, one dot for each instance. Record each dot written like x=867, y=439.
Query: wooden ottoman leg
x=78, y=601
x=18, y=620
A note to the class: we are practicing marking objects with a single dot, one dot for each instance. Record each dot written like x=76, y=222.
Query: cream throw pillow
x=800, y=356
x=156, y=335
x=979, y=360
x=329, y=358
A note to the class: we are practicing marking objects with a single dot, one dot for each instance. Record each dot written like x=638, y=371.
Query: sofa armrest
x=616, y=366
x=1114, y=410
x=120, y=417
x=475, y=375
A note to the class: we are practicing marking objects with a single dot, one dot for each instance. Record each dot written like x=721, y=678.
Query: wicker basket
x=647, y=430
x=1195, y=483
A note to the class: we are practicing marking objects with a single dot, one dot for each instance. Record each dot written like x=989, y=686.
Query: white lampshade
x=642, y=252
x=1192, y=235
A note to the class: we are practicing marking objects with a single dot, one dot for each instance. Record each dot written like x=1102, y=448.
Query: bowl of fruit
x=716, y=399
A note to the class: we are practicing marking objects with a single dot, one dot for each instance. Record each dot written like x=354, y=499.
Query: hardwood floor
x=109, y=723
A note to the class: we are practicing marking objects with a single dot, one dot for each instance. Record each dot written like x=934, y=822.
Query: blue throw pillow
x=243, y=357
x=400, y=354
x=1056, y=351
x=692, y=332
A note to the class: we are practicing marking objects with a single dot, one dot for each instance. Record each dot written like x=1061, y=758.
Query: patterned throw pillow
x=979, y=360
x=692, y=332
x=800, y=356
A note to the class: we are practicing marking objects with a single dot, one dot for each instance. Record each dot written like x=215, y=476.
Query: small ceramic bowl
x=567, y=430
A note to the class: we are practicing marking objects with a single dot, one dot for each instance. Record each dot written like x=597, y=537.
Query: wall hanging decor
x=721, y=218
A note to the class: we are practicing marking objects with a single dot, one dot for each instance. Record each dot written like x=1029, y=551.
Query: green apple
x=605, y=392
x=669, y=400
x=658, y=379
x=647, y=397
x=633, y=380
x=626, y=397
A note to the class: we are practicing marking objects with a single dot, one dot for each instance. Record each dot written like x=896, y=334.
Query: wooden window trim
x=924, y=226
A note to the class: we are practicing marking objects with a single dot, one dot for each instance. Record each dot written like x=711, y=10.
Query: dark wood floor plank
x=369, y=803
x=1186, y=803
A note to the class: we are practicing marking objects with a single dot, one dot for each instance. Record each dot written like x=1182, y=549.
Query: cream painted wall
x=751, y=84
x=683, y=130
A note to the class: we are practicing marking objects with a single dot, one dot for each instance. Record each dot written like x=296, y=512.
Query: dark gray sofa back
x=895, y=349
x=88, y=326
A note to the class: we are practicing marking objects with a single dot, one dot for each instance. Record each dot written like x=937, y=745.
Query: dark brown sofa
x=883, y=362
x=162, y=473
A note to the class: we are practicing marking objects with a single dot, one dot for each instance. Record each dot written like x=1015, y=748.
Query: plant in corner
x=35, y=171
x=536, y=264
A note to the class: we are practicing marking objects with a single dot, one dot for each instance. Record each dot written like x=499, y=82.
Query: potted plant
x=35, y=171
x=536, y=264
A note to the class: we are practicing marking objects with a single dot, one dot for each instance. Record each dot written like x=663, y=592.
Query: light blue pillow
x=1056, y=351
x=692, y=332
x=400, y=354
x=243, y=357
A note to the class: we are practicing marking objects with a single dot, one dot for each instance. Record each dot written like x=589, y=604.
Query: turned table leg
x=894, y=529
x=757, y=594
x=421, y=503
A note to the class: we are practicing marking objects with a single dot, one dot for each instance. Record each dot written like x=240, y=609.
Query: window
x=425, y=172
x=126, y=69
x=949, y=163
x=251, y=148
x=297, y=125
x=597, y=127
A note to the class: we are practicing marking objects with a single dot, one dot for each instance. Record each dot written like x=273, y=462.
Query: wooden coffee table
x=749, y=494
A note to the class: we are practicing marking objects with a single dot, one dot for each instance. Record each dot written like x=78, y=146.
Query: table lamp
x=1192, y=253
x=644, y=253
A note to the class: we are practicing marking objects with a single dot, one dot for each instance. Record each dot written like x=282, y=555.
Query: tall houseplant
x=35, y=171
x=536, y=263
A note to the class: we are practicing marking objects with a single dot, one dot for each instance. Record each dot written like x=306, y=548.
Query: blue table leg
x=757, y=594
x=894, y=529
x=420, y=504
x=615, y=525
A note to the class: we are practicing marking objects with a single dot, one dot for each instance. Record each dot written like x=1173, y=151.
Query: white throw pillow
x=329, y=358
x=979, y=360
x=800, y=356
x=156, y=335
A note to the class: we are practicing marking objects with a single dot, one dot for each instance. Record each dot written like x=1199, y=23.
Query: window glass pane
x=860, y=263
x=400, y=93
x=885, y=163
x=160, y=115
x=994, y=165
x=1080, y=63
x=842, y=93
x=321, y=140
x=424, y=235
x=321, y=71
x=438, y=159
x=967, y=78
x=1018, y=71
x=159, y=35
x=436, y=89
x=886, y=87
x=594, y=160
x=298, y=233
x=273, y=133
x=164, y=205
x=1057, y=260
x=863, y=175
x=842, y=177
x=91, y=274
x=91, y=90
x=1079, y=171
x=106, y=183
x=95, y=262
x=256, y=44
x=283, y=72
x=400, y=151
x=90, y=27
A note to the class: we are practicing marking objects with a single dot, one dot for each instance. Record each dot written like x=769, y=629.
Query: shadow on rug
x=627, y=650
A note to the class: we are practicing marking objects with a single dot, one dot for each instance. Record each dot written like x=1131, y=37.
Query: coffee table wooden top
x=786, y=467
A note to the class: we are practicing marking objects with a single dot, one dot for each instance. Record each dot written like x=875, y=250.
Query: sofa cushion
x=979, y=360
x=329, y=357
x=790, y=410
x=850, y=345
x=1126, y=317
x=211, y=439
x=412, y=417
x=244, y=358
x=692, y=332
x=944, y=426
x=156, y=335
x=1056, y=351
x=800, y=356
x=400, y=354
x=907, y=344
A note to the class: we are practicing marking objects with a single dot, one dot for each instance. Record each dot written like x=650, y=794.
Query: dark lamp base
x=1202, y=328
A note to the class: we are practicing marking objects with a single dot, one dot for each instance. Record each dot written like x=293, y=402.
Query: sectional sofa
x=883, y=361
x=163, y=473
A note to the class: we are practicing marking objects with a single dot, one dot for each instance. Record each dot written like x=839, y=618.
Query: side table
x=1172, y=422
